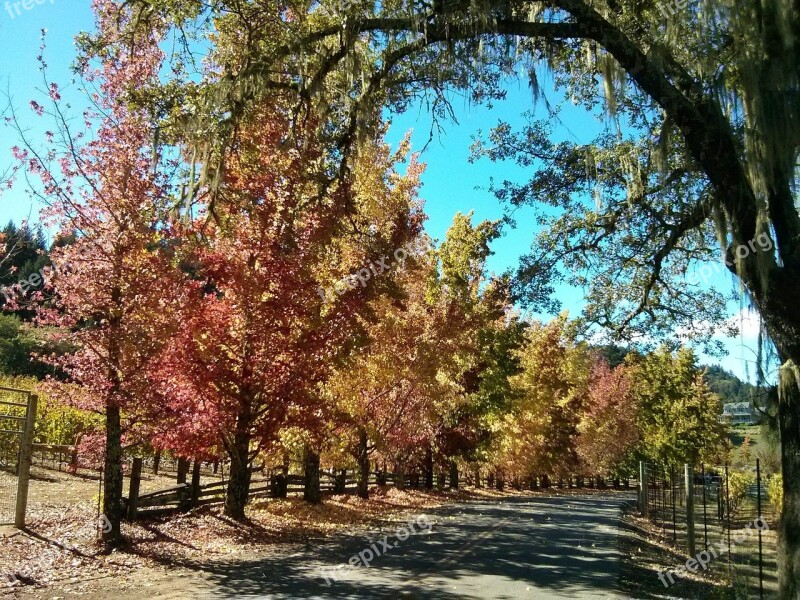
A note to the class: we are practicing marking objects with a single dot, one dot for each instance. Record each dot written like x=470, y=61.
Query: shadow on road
x=519, y=547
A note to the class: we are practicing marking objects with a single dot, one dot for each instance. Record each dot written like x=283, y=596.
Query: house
x=738, y=413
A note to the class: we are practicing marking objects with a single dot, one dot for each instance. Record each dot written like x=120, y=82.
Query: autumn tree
x=477, y=317
x=113, y=284
x=253, y=345
x=678, y=415
x=260, y=339
x=539, y=435
x=609, y=431
x=383, y=393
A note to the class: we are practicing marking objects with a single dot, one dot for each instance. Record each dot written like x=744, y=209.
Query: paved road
x=535, y=547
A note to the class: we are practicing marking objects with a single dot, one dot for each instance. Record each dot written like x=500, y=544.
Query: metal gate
x=17, y=418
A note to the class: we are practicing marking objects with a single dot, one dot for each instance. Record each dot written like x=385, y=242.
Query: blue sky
x=451, y=183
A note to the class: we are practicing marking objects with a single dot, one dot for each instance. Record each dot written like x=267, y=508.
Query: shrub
x=55, y=423
x=775, y=493
x=738, y=486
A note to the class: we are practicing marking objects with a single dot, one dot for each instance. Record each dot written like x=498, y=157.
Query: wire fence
x=724, y=512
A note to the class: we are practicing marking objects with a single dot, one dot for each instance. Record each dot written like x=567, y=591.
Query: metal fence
x=725, y=512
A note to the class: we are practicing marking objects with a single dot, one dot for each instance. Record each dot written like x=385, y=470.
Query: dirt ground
x=646, y=553
x=60, y=556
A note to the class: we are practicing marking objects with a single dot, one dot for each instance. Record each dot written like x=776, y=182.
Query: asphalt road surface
x=533, y=547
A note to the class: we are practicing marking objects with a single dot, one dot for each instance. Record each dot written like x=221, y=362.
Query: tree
x=716, y=86
x=113, y=284
x=677, y=413
x=539, y=435
x=383, y=393
x=483, y=333
x=259, y=340
x=253, y=344
x=728, y=386
x=22, y=347
x=609, y=431
x=25, y=255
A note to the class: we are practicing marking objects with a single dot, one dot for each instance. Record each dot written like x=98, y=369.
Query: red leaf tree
x=260, y=338
x=113, y=285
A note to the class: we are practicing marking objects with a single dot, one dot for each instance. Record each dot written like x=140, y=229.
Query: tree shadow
x=643, y=559
x=562, y=545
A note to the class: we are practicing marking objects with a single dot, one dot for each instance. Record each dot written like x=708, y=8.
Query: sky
x=450, y=184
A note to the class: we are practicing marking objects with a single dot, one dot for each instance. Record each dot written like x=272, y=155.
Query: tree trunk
x=789, y=529
x=282, y=479
x=362, y=457
x=399, y=476
x=183, y=470
x=239, y=482
x=156, y=462
x=453, y=475
x=340, y=481
x=311, y=491
x=195, y=483
x=428, y=467
x=112, y=486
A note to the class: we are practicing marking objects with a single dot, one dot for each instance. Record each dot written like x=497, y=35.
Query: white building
x=738, y=413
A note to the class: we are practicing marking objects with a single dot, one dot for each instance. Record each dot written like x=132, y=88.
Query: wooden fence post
x=25, y=455
x=311, y=490
x=340, y=481
x=642, y=488
x=689, y=483
x=73, y=459
x=133, y=495
x=195, y=482
x=454, y=474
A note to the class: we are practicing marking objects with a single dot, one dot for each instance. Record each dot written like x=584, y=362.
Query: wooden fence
x=185, y=496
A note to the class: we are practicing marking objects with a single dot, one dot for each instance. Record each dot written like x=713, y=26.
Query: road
x=532, y=547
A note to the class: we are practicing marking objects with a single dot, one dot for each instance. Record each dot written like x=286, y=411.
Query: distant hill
x=728, y=386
